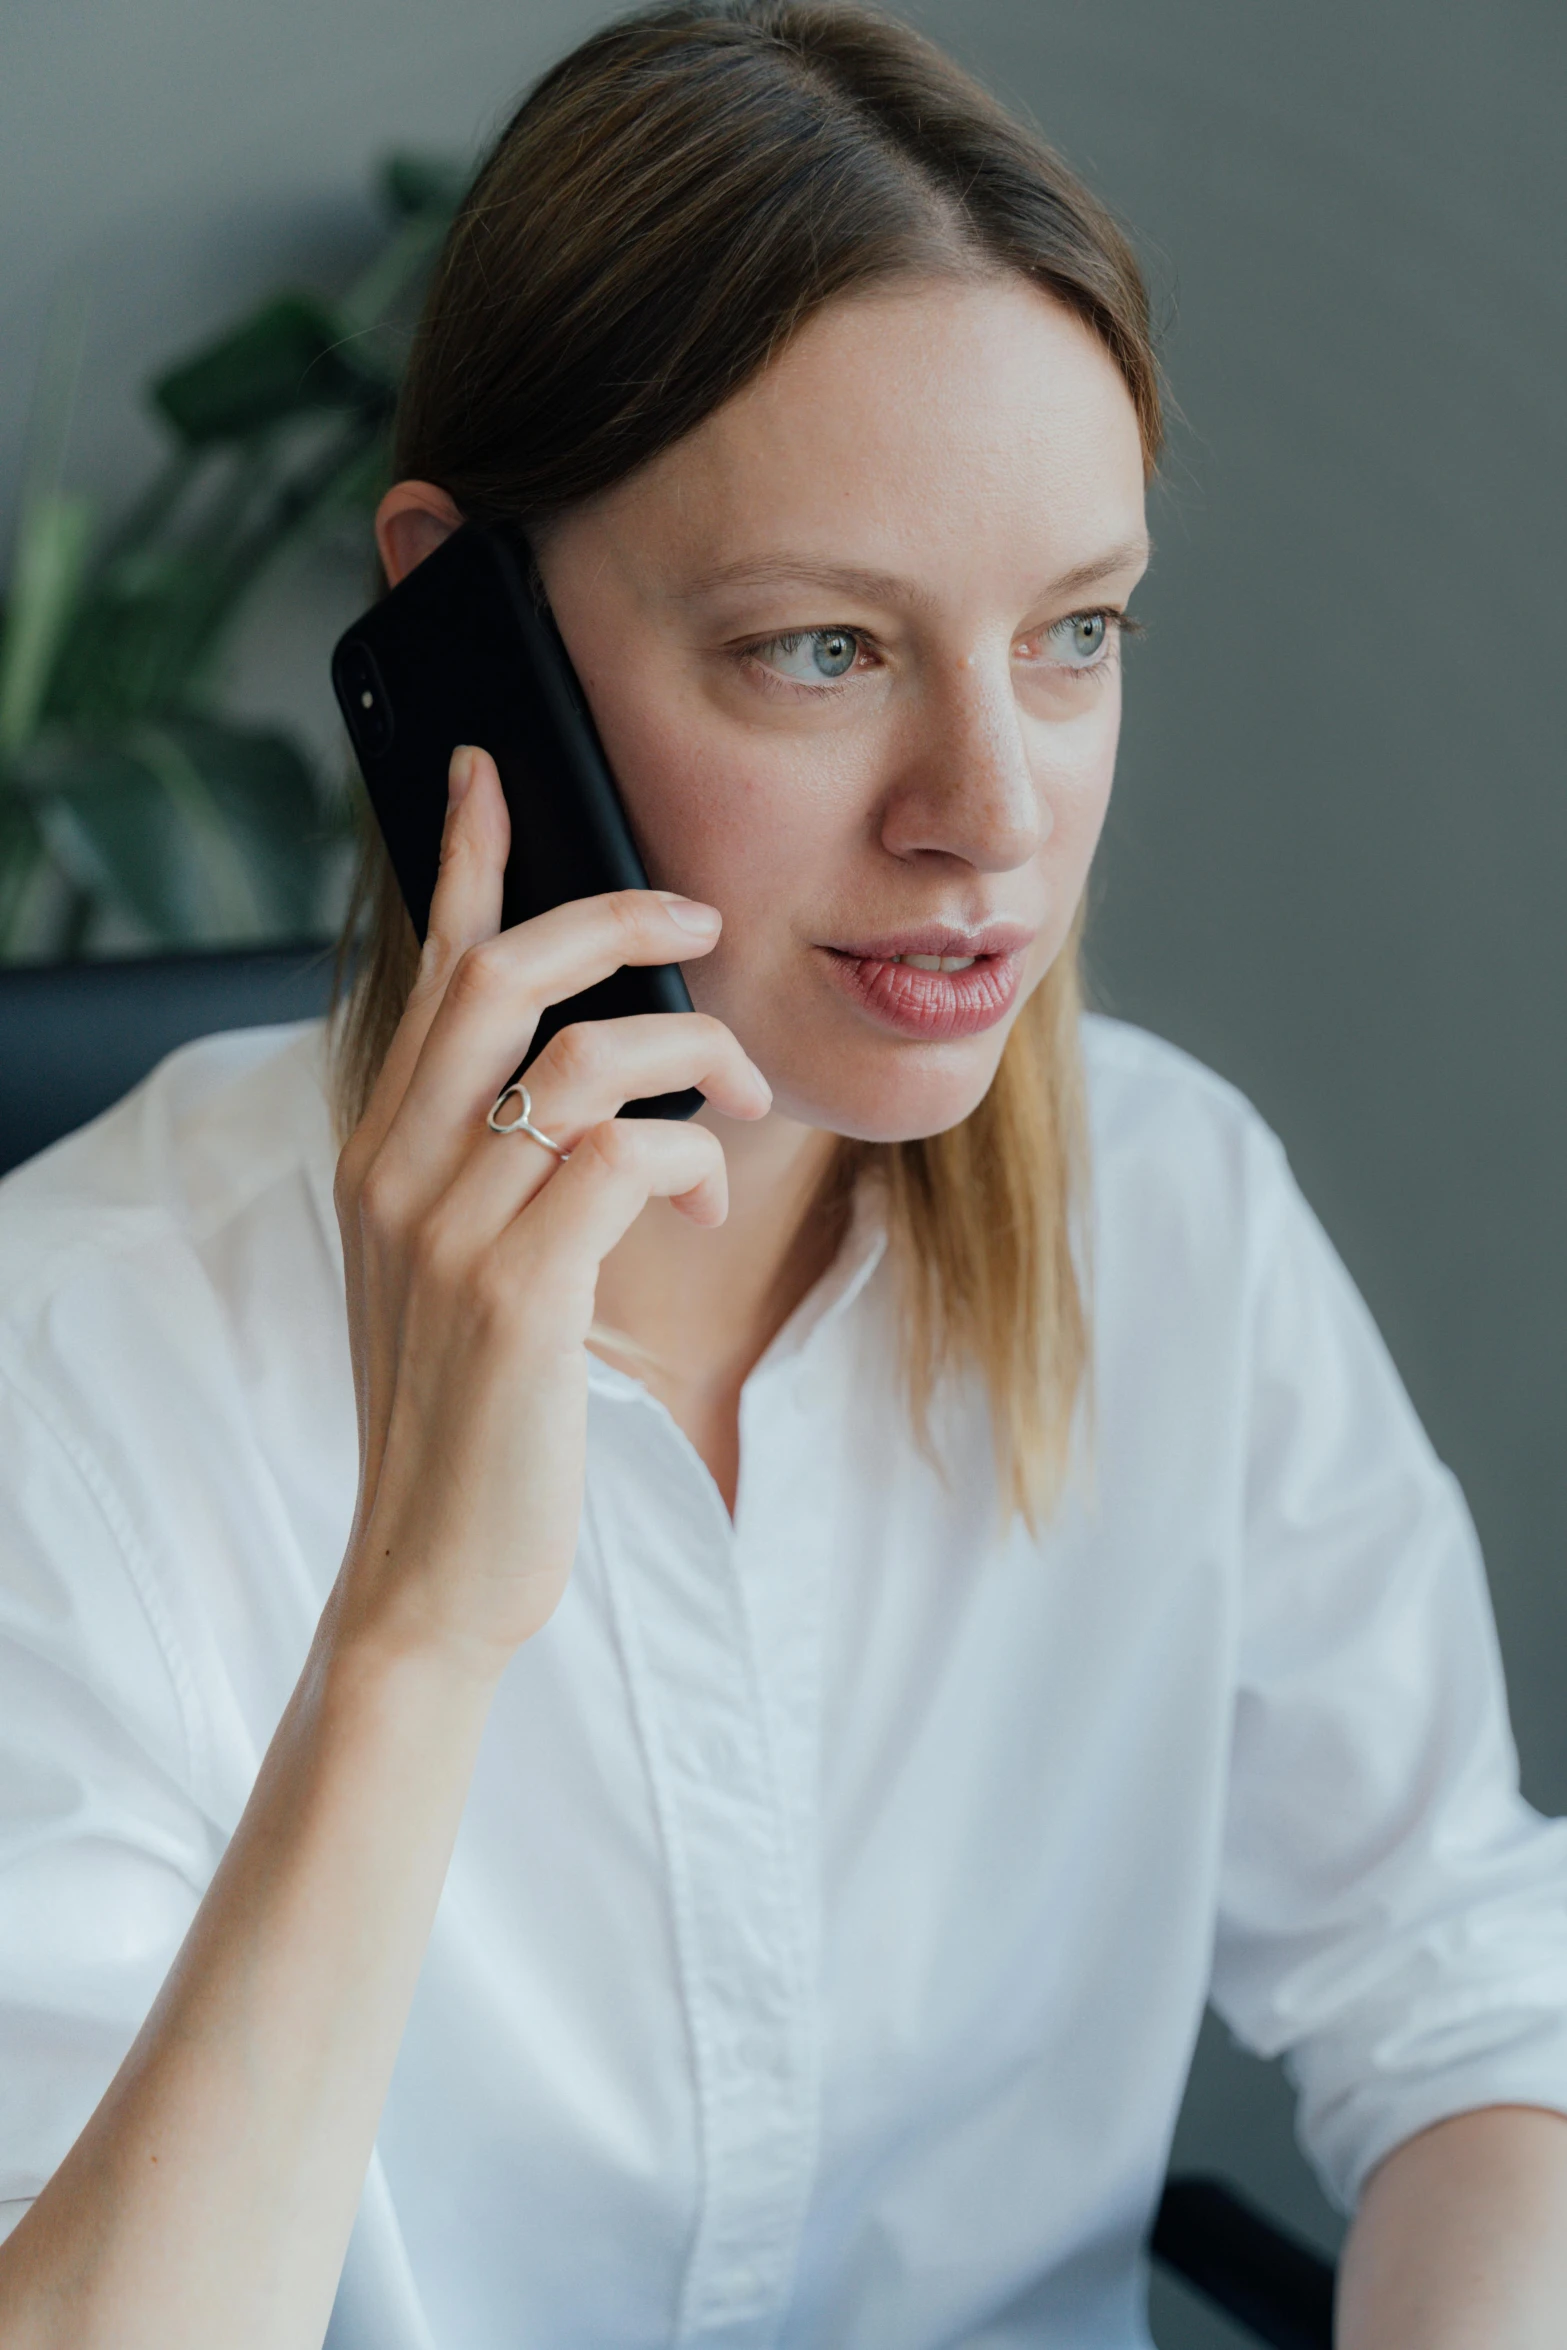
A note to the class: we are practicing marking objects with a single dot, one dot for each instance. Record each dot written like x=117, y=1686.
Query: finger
x=595, y=1198
x=542, y=1273
x=465, y=908
x=492, y=1002
x=582, y=1078
x=587, y=1072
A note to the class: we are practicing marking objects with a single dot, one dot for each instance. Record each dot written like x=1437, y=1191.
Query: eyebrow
x=884, y=587
x=1131, y=555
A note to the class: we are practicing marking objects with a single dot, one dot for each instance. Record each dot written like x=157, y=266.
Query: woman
x=776, y=1772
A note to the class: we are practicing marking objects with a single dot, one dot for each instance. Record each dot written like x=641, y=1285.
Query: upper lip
x=939, y=938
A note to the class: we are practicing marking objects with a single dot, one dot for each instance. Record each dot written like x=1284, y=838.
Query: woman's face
x=852, y=649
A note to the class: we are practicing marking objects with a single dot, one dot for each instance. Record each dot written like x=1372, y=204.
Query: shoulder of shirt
x=1135, y=1077
x=1153, y=1107
x=212, y=1127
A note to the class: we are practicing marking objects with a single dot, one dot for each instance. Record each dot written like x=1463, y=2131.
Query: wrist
x=429, y=1598
x=365, y=1657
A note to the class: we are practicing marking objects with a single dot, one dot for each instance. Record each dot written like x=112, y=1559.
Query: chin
x=894, y=1102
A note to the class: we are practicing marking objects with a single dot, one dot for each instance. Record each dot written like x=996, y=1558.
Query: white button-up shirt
x=840, y=1887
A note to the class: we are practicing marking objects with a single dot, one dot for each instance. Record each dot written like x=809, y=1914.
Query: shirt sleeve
x=104, y=1854
x=1393, y=1916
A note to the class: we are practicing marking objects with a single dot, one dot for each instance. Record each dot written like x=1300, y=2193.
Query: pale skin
x=948, y=476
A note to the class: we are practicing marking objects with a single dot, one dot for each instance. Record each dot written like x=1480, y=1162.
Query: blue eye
x=810, y=656
x=1080, y=640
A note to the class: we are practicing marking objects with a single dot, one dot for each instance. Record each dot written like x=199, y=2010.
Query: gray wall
x=1341, y=833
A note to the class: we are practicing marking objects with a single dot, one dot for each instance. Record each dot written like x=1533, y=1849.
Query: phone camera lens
x=364, y=700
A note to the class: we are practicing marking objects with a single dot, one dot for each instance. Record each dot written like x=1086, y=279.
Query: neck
x=705, y=1304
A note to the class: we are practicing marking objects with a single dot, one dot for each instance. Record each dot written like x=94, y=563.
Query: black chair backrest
x=1244, y=2262
x=75, y=1036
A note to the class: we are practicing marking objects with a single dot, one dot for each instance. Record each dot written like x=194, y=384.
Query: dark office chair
x=1236, y=2257
x=74, y=1037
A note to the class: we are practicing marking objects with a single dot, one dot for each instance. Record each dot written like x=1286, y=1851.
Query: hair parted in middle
x=666, y=209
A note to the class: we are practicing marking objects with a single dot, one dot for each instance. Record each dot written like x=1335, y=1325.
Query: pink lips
x=935, y=1006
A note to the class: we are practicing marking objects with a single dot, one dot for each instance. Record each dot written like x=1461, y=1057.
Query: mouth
x=937, y=984
x=935, y=962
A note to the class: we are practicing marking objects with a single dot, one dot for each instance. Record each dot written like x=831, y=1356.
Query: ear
x=410, y=523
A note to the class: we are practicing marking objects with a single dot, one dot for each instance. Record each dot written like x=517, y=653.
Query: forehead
x=937, y=425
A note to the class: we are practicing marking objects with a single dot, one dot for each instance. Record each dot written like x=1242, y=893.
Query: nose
x=966, y=789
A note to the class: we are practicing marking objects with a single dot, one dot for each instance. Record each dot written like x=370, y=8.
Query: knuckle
x=436, y=957
x=628, y=911
x=580, y=1053
x=380, y=1204
x=714, y=1034
x=430, y=1250
x=613, y=1144
x=476, y=978
x=456, y=846
x=710, y=1167
x=508, y=1308
x=494, y=1290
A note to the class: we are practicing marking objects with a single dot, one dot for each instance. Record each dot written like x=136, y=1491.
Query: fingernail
x=460, y=774
x=690, y=913
x=762, y=1083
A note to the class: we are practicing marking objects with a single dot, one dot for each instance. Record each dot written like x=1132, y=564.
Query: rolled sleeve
x=1393, y=1916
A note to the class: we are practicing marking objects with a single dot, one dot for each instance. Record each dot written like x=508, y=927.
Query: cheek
x=736, y=818
x=1076, y=768
x=1076, y=776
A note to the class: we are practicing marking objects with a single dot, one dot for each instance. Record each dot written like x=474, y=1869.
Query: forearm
x=1460, y=2242
x=210, y=2198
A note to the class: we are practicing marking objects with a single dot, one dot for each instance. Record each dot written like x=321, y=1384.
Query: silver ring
x=523, y=1122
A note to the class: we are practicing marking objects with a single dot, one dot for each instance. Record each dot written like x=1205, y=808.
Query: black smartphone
x=464, y=651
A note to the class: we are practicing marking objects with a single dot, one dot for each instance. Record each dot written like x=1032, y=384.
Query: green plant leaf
x=289, y=834
x=158, y=608
x=201, y=833
x=423, y=183
x=119, y=792
x=422, y=193
x=51, y=556
x=290, y=358
x=365, y=478
x=22, y=852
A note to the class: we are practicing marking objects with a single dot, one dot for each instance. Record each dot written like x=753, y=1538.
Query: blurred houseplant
x=129, y=805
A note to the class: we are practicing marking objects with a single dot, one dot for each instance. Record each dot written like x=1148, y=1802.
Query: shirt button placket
x=741, y=1911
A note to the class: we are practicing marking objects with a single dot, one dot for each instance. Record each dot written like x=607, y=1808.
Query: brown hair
x=668, y=206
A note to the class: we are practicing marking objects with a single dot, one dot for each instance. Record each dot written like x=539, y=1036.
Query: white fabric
x=834, y=1908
